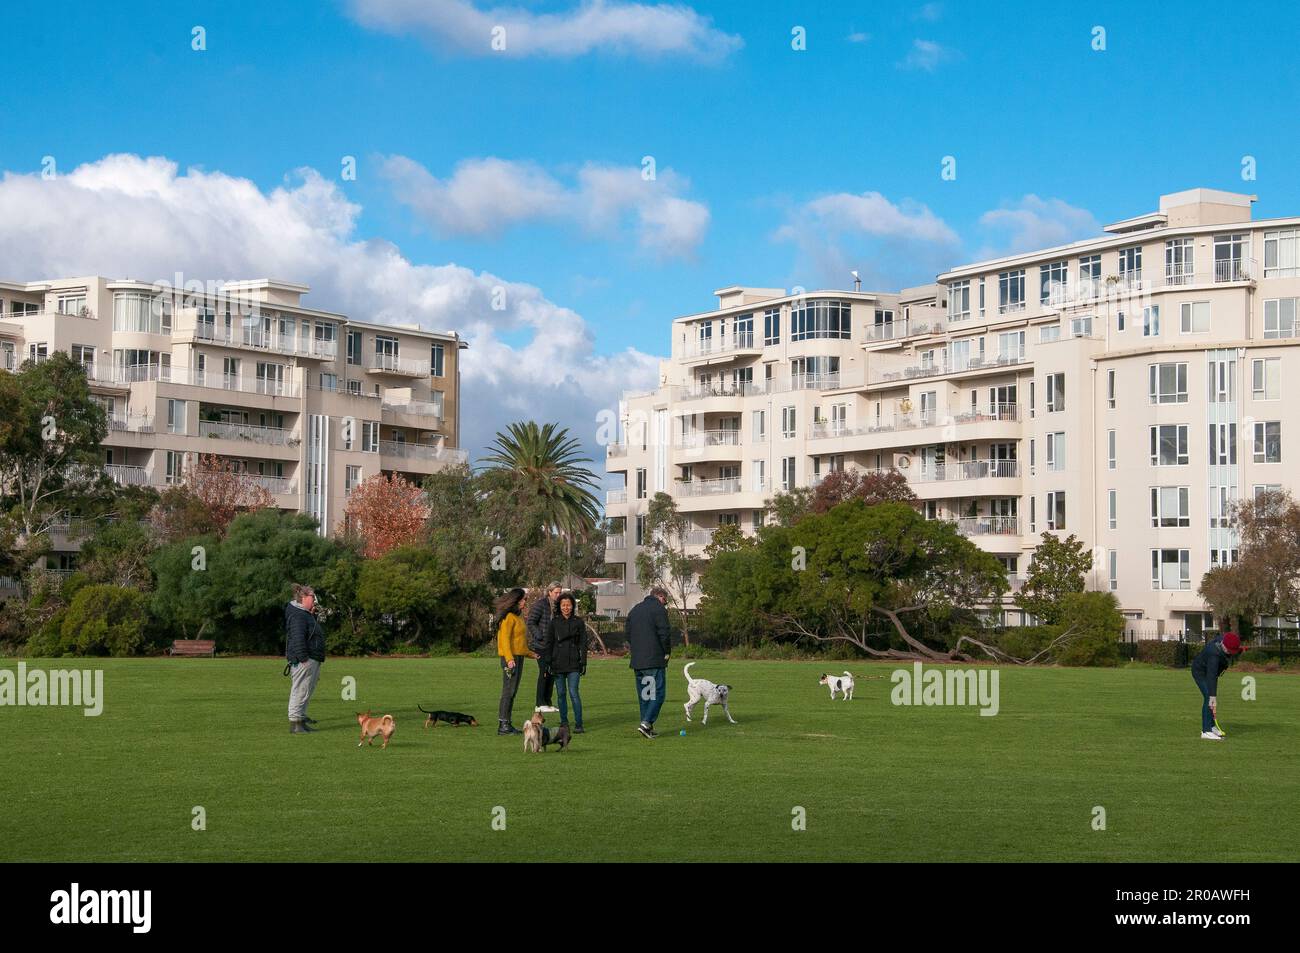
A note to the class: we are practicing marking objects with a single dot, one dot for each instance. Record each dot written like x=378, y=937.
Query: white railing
x=259, y=340
x=133, y=423
x=401, y=448
x=127, y=476
x=616, y=542
x=616, y=449
x=710, y=438
x=902, y=328
x=1011, y=307
x=707, y=487
x=611, y=589
x=697, y=392
x=420, y=408
x=615, y=496
x=392, y=364
x=951, y=367
x=969, y=470
x=139, y=373
x=918, y=418
x=723, y=345
x=269, y=483
x=275, y=436
x=988, y=526
x=1242, y=269
x=699, y=537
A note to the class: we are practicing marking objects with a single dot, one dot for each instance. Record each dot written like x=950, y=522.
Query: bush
x=1026, y=641
x=100, y=620
x=1256, y=656
x=1157, y=652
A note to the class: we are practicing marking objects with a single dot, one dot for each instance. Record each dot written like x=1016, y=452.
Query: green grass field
x=879, y=782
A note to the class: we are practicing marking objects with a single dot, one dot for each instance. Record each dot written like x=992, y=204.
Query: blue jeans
x=566, y=683
x=650, y=694
x=1207, y=717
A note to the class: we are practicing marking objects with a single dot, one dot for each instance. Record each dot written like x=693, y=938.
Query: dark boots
x=299, y=728
x=505, y=728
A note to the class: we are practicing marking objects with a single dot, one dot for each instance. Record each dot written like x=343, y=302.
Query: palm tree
x=548, y=459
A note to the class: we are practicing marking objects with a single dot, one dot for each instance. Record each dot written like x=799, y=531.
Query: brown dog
x=533, y=731
x=375, y=726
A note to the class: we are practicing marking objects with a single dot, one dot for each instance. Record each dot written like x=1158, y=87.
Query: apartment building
x=1127, y=389
x=309, y=403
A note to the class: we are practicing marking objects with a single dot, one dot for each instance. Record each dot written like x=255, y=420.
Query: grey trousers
x=305, y=675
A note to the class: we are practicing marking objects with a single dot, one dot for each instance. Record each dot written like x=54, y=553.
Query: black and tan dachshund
x=453, y=718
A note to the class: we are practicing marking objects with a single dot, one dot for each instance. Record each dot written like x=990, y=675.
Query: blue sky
x=763, y=154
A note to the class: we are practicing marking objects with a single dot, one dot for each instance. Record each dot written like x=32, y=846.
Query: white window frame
x=1170, y=498
x=1182, y=456
x=1266, y=378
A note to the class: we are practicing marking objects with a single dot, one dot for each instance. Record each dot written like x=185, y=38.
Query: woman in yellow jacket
x=512, y=647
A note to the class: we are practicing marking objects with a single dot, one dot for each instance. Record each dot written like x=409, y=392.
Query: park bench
x=192, y=648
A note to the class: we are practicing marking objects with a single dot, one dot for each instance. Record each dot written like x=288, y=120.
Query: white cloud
x=927, y=55
x=487, y=196
x=140, y=217
x=930, y=12
x=642, y=29
x=858, y=37
x=1033, y=223
x=889, y=243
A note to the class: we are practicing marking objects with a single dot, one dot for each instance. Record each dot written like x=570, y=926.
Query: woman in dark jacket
x=566, y=656
x=304, y=650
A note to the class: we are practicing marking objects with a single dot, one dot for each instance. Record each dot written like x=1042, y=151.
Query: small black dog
x=453, y=718
x=560, y=736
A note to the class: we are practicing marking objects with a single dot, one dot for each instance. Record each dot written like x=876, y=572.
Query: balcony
x=611, y=589
x=690, y=488
x=130, y=423
x=970, y=470
x=273, y=436
x=127, y=476
x=710, y=438
x=708, y=347
x=616, y=542
x=916, y=371
x=917, y=419
x=272, y=485
x=1135, y=282
x=614, y=497
x=616, y=450
x=988, y=526
x=271, y=342
x=401, y=366
x=906, y=328
x=421, y=451
x=699, y=537
x=416, y=408
x=139, y=373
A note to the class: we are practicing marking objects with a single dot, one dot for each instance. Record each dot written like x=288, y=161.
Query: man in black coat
x=304, y=650
x=538, y=625
x=649, y=645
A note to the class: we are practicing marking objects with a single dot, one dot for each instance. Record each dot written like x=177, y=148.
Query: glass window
x=1266, y=378
x=1170, y=569
x=959, y=300
x=1279, y=318
x=1268, y=441
x=1056, y=509
x=1055, y=392
x=1011, y=291
x=771, y=327
x=1170, y=506
x=1169, y=445
x=1168, y=383
x=1195, y=317
x=1223, y=444
x=1151, y=321
x=820, y=318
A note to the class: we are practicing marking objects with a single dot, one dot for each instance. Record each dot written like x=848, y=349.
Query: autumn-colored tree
x=869, y=486
x=220, y=491
x=385, y=512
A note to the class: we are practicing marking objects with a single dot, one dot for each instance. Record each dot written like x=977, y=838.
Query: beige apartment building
x=1127, y=389
x=309, y=403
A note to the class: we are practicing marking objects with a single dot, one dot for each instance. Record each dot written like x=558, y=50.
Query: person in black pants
x=649, y=645
x=1209, y=664
x=539, y=625
x=512, y=649
x=565, y=657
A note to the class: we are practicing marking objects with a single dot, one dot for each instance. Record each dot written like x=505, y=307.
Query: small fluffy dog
x=701, y=689
x=839, y=683
x=453, y=718
x=536, y=738
x=371, y=726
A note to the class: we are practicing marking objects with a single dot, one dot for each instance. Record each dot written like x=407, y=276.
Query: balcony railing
x=127, y=476
x=273, y=485
x=989, y=526
x=616, y=542
x=611, y=588
x=132, y=423
x=723, y=345
x=699, y=392
x=421, y=451
x=969, y=470
x=616, y=450
x=699, y=537
x=260, y=340
x=138, y=373
x=918, y=418
x=710, y=438
x=706, y=487
x=274, y=436
x=419, y=408
x=950, y=367
x=392, y=364
x=903, y=328
x=615, y=496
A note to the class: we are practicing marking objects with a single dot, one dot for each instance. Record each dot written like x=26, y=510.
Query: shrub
x=100, y=620
x=1026, y=641
x=1157, y=652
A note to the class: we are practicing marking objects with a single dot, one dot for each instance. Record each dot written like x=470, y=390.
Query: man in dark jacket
x=648, y=648
x=538, y=624
x=1209, y=664
x=304, y=650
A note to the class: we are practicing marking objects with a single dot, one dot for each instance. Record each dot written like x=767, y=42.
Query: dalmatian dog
x=701, y=689
x=839, y=683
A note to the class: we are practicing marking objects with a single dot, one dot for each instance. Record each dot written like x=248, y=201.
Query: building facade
x=309, y=403
x=1127, y=389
